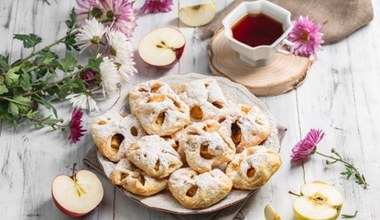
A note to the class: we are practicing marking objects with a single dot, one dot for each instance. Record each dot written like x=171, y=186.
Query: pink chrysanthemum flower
x=120, y=15
x=306, y=36
x=155, y=6
x=83, y=9
x=115, y=14
x=76, y=129
x=307, y=146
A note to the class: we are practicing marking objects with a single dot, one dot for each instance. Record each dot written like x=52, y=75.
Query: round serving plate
x=164, y=201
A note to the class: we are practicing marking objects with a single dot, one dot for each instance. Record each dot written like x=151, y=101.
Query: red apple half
x=162, y=47
x=79, y=194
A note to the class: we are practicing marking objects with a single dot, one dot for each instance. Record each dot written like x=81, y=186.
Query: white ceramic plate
x=164, y=201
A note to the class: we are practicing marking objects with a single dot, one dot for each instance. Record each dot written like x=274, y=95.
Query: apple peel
x=77, y=195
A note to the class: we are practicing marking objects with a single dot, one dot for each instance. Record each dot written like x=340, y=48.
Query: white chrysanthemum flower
x=90, y=34
x=83, y=101
x=120, y=47
x=122, y=52
x=126, y=71
x=110, y=78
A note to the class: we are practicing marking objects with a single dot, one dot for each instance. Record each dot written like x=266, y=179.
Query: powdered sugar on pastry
x=204, y=97
x=155, y=156
x=159, y=110
x=199, y=191
x=253, y=167
x=244, y=125
x=204, y=147
x=113, y=134
x=135, y=180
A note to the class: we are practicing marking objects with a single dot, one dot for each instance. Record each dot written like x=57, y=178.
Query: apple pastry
x=244, y=125
x=158, y=108
x=136, y=181
x=197, y=191
x=155, y=156
x=204, y=147
x=204, y=97
x=253, y=167
x=113, y=133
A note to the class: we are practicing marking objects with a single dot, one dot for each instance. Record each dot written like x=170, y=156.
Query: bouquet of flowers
x=103, y=29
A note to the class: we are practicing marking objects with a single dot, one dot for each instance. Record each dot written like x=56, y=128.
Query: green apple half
x=197, y=15
x=318, y=201
x=270, y=213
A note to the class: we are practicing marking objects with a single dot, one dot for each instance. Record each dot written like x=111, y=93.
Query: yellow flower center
x=304, y=36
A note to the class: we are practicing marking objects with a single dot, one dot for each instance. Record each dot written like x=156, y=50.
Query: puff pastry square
x=253, y=167
x=197, y=191
x=158, y=108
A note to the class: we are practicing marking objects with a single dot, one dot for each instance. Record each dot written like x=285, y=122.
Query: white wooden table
x=340, y=96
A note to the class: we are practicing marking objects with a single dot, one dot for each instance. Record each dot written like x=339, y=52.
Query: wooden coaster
x=281, y=74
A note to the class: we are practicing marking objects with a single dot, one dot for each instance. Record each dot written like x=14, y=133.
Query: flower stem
x=12, y=100
x=350, y=169
x=332, y=158
x=50, y=85
x=34, y=53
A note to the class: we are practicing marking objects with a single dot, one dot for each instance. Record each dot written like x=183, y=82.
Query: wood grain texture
x=340, y=95
x=281, y=74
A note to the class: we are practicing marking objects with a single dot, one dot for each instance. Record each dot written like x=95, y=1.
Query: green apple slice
x=270, y=213
x=197, y=15
x=318, y=201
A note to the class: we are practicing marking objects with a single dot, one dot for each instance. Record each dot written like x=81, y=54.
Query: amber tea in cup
x=257, y=29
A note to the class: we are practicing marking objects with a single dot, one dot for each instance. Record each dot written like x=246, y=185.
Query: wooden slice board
x=281, y=74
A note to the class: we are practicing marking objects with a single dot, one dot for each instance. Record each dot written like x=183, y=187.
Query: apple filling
x=217, y=104
x=141, y=179
x=196, y=113
x=160, y=119
x=134, y=131
x=251, y=172
x=155, y=87
x=235, y=133
x=116, y=141
x=102, y=122
x=204, y=151
x=157, y=165
x=211, y=127
x=192, y=191
x=156, y=98
x=222, y=119
x=245, y=109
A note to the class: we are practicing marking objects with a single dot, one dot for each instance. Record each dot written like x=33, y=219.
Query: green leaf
x=46, y=57
x=13, y=109
x=47, y=104
x=24, y=103
x=4, y=114
x=3, y=89
x=68, y=64
x=25, y=81
x=71, y=43
x=78, y=85
x=72, y=20
x=11, y=77
x=94, y=63
x=4, y=63
x=31, y=114
x=29, y=40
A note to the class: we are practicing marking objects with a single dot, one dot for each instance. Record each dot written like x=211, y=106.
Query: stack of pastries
x=187, y=138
